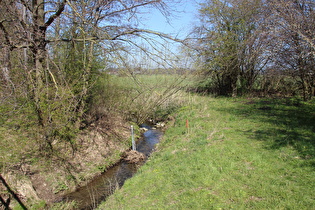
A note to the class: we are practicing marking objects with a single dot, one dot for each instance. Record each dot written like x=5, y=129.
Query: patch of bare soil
x=97, y=148
x=133, y=156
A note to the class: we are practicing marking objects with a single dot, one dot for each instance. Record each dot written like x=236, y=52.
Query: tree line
x=245, y=46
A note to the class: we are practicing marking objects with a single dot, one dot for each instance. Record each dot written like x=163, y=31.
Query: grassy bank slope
x=237, y=153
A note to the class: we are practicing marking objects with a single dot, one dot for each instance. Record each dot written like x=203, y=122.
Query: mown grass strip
x=237, y=153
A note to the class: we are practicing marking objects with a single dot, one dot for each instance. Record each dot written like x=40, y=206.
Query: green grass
x=237, y=153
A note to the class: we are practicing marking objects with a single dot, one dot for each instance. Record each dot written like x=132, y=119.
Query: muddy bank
x=98, y=147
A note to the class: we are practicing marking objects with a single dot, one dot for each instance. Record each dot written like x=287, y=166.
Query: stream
x=91, y=195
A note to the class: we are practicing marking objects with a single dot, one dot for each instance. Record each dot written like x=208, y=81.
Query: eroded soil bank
x=40, y=181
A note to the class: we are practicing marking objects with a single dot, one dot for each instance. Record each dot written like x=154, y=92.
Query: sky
x=180, y=22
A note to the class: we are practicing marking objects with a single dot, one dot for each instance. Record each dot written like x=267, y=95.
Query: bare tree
x=294, y=25
x=60, y=42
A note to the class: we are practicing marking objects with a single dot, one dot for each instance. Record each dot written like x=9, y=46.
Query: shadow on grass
x=6, y=203
x=284, y=122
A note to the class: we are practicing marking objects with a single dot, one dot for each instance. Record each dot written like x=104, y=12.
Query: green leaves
x=228, y=30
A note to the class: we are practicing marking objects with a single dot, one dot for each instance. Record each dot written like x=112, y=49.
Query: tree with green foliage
x=231, y=45
x=230, y=48
x=245, y=45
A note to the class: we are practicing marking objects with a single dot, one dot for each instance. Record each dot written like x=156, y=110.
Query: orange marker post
x=187, y=125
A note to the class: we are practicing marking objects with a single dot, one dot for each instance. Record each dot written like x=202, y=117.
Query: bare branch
x=128, y=31
x=129, y=8
x=6, y=34
x=57, y=13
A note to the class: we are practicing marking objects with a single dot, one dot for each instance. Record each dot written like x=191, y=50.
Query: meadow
x=241, y=153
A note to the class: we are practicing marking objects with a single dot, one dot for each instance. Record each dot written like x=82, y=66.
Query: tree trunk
x=6, y=66
x=38, y=86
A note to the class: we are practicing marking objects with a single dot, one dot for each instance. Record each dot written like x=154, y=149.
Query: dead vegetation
x=96, y=148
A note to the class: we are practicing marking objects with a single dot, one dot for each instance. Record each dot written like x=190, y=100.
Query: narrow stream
x=91, y=195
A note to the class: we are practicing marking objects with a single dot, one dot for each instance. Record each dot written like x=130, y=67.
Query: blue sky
x=180, y=22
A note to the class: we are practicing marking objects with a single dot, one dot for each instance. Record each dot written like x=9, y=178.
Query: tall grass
x=237, y=153
x=139, y=97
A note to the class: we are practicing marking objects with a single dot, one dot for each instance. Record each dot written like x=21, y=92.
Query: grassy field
x=236, y=153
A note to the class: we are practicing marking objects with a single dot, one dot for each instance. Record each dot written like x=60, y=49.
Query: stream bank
x=96, y=191
x=40, y=181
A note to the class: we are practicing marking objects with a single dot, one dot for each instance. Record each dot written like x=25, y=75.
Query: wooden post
x=187, y=125
x=133, y=139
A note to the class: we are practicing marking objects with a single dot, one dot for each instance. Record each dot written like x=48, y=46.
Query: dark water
x=91, y=195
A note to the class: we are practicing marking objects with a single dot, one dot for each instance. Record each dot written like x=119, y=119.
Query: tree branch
x=131, y=31
x=6, y=34
x=129, y=8
x=57, y=14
